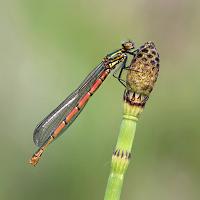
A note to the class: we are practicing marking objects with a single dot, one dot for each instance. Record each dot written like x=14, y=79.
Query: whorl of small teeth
x=144, y=69
x=120, y=161
x=122, y=154
x=135, y=99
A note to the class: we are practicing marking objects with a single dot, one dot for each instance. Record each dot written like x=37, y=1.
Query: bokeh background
x=47, y=48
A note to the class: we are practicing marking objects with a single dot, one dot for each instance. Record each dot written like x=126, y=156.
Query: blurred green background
x=47, y=48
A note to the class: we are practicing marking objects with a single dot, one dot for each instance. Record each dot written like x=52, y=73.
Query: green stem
x=121, y=155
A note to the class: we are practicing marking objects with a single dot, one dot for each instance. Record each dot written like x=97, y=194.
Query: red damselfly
x=63, y=116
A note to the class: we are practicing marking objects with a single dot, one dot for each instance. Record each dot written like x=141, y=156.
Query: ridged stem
x=122, y=153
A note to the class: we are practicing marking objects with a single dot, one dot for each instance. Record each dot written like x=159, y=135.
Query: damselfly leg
x=119, y=71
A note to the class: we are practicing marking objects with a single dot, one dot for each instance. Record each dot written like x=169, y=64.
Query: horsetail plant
x=141, y=77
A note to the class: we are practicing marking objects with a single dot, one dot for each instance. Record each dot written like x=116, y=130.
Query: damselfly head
x=144, y=69
x=128, y=45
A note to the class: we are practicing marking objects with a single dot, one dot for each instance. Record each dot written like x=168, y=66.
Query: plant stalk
x=122, y=154
x=140, y=80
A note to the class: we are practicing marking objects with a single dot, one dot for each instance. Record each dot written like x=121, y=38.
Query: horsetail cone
x=142, y=74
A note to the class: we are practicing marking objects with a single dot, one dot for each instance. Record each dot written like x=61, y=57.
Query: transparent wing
x=47, y=126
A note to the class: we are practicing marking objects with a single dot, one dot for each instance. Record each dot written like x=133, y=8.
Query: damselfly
x=63, y=116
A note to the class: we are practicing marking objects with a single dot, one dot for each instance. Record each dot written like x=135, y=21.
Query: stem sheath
x=122, y=153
